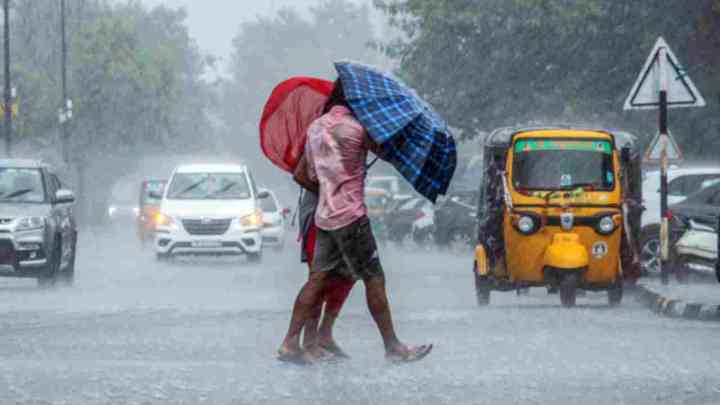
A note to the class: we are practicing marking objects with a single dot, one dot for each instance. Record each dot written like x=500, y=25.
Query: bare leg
x=379, y=307
x=338, y=290
x=380, y=310
x=308, y=298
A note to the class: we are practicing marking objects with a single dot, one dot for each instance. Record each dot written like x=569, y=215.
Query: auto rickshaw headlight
x=605, y=226
x=526, y=225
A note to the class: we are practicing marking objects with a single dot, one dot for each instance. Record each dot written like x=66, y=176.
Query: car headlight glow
x=526, y=225
x=606, y=225
x=253, y=220
x=164, y=220
x=112, y=210
x=29, y=223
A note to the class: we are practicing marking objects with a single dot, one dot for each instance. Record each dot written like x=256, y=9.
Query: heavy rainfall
x=360, y=202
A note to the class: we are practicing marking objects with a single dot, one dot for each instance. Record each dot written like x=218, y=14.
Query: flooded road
x=134, y=331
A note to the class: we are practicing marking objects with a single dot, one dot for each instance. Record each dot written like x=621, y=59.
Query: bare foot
x=319, y=353
x=294, y=356
x=408, y=354
x=332, y=347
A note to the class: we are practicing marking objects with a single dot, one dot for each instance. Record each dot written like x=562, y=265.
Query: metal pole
x=664, y=212
x=63, y=124
x=7, y=104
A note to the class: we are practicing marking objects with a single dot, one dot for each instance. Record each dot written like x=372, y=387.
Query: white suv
x=210, y=209
x=681, y=183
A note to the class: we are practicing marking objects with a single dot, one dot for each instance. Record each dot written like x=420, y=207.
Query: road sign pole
x=664, y=212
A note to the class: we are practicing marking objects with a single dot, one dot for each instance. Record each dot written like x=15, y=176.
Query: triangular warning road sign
x=660, y=142
x=681, y=91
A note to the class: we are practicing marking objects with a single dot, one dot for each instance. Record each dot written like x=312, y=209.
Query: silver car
x=38, y=233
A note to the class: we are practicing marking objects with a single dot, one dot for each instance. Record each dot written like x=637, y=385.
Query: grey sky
x=213, y=23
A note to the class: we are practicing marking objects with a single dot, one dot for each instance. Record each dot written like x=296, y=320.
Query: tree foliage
x=134, y=76
x=489, y=63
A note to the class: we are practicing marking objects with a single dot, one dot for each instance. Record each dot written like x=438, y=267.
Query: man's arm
x=304, y=175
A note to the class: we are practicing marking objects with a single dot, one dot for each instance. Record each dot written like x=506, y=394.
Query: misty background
x=159, y=82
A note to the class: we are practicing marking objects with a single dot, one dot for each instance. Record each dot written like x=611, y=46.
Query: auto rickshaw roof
x=502, y=137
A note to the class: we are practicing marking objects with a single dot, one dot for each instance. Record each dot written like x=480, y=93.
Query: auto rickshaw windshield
x=561, y=164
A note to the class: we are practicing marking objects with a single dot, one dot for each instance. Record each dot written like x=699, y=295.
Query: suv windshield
x=560, y=164
x=20, y=185
x=213, y=186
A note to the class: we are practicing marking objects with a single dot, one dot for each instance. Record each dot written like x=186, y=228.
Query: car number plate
x=206, y=244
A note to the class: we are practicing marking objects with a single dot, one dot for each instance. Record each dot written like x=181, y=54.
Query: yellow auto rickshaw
x=560, y=208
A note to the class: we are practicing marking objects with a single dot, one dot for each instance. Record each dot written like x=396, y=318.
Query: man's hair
x=337, y=98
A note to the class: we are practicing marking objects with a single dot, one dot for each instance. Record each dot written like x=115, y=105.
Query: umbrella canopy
x=292, y=106
x=416, y=139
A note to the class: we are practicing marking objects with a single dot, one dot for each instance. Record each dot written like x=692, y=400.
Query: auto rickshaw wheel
x=615, y=292
x=482, y=289
x=568, y=289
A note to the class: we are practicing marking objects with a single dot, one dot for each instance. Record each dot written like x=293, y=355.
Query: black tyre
x=162, y=257
x=67, y=276
x=650, y=250
x=615, y=293
x=568, y=289
x=49, y=279
x=482, y=289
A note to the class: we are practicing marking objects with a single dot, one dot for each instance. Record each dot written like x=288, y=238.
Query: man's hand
x=302, y=176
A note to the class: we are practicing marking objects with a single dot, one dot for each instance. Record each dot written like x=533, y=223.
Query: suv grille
x=206, y=227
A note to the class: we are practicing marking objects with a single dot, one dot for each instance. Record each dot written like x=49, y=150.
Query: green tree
x=489, y=63
x=134, y=78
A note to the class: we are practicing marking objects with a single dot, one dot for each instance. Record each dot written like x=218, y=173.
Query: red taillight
x=419, y=215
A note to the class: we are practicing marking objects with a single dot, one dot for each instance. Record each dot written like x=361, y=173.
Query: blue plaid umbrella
x=417, y=141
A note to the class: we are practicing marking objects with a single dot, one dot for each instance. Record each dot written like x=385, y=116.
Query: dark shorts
x=350, y=251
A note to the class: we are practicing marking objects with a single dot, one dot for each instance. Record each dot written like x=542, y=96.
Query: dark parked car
x=692, y=218
x=456, y=219
x=400, y=216
x=38, y=234
x=702, y=207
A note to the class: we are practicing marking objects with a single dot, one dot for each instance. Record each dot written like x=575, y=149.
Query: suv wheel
x=67, y=276
x=49, y=279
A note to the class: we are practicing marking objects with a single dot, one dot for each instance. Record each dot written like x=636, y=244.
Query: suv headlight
x=254, y=220
x=605, y=226
x=29, y=223
x=165, y=221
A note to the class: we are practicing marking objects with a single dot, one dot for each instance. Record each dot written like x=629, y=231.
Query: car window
x=150, y=190
x=715, y=200
x=21, y=185
x=709, y=181
x=268, y=204
x=215, y=186
x=676, y=188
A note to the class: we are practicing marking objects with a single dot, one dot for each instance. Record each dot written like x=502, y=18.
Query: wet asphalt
x=135, y=331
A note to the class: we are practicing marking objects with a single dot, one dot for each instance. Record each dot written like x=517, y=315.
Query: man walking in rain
x=334, y=166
